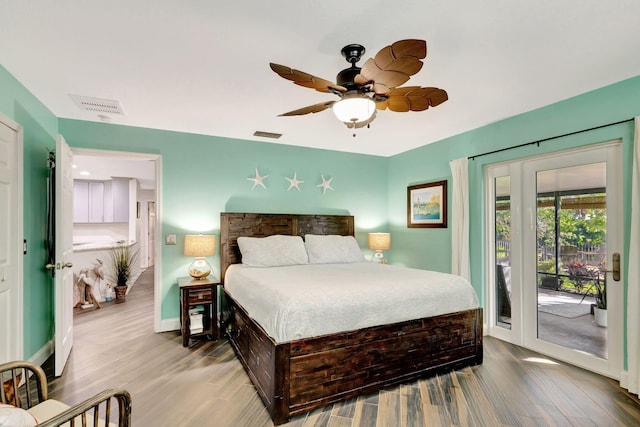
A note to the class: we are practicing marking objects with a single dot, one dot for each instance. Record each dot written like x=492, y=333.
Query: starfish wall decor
x=258, y=180
x=294, y=182
x=326, y=184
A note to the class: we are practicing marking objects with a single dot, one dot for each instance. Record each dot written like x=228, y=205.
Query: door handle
x=57, y=266
x=615, y=258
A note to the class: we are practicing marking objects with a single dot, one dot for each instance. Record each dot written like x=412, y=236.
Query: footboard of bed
x=266, y=363
x=296, y=377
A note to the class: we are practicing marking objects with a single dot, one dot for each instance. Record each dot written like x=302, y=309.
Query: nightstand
x=199, y=293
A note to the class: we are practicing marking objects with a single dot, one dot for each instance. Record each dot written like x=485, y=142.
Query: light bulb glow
x=354, y=108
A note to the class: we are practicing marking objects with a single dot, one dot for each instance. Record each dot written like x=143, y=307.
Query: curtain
x=460, y=218
x=633, y=278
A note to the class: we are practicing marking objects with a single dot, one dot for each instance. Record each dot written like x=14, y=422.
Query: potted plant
x=122, y=260
x=599, y=290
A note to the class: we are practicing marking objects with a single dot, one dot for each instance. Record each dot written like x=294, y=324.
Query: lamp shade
x=379, y=241
x=199, y=245
x=354, y=108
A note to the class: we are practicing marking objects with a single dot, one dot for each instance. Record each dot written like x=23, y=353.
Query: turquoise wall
x=205, y=175
x=40, y=127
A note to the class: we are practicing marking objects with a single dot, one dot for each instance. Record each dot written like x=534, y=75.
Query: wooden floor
x=205, y=385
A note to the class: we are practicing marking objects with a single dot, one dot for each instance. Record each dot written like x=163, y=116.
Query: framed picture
x=427, y=205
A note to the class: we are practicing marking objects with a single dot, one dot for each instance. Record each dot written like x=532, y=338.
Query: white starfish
x=258, y=180
x=326, y=184
x=294, y=182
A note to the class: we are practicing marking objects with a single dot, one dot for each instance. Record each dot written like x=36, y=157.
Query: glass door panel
x=502, y=215
x=571, y=225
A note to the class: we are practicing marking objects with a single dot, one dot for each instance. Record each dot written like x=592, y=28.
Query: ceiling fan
x=373, y=87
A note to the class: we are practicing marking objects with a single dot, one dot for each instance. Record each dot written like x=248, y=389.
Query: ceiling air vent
x=267, y=134
x=99, y=105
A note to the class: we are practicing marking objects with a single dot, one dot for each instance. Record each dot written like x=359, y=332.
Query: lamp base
x=199, y=268
x=378, y=257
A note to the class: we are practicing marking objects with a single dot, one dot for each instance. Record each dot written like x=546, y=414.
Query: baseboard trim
x=627, y=383
x=44, y=353
x=167, y=325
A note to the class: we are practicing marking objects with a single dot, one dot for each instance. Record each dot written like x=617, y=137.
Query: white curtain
x=460, y=218
x=633, y=297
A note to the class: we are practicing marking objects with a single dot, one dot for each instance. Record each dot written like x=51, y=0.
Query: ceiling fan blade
x=410, y=47
x=304, y=79
x=315, y=108
x=408, y=65
x=393, y=65
x=413, y=98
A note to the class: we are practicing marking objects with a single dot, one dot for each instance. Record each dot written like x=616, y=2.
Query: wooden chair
x=24, y=386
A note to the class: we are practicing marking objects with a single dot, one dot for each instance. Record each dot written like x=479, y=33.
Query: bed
x=301, y=374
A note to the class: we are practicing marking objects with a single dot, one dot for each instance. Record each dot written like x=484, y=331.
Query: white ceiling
x=202, y=66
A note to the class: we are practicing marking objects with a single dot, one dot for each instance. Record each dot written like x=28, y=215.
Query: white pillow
x=332, y=249
x=16, y=417
x=272, y=251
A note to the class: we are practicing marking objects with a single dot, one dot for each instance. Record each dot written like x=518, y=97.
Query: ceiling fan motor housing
x=346, y=77
x=352, y=53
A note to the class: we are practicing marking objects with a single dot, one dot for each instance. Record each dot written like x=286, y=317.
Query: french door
x=554, y=239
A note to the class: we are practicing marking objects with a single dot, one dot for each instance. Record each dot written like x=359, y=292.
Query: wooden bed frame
x=298, y=376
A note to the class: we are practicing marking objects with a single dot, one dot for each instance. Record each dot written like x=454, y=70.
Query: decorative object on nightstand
x=199, y=246
x=379, y=242
x=198, y=308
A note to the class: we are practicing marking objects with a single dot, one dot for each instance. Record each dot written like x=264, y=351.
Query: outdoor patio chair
x=568, y=253
x=504, y=291
x=24, y=402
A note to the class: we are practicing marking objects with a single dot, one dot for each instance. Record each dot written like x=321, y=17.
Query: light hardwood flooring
x=205, y=385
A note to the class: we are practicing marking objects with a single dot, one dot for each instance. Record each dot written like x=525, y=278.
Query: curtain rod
x=548, y=139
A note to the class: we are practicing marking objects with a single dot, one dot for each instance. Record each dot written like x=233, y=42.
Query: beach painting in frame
x=427, y=205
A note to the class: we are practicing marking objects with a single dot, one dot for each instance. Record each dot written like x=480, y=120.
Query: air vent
x=99, y=105
x=267, y=134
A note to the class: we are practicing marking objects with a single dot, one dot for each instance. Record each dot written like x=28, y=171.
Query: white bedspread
x=303, y=301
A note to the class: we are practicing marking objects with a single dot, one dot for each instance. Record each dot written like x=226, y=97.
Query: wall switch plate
x=170, y=239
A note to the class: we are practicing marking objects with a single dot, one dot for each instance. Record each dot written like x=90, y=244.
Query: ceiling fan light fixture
x=354, y=108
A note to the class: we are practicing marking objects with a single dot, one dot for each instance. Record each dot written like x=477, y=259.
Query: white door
x=10, y=242
x=555, y=225
x=63, y=250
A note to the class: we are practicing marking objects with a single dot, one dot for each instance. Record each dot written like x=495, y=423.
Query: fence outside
x=588, y=254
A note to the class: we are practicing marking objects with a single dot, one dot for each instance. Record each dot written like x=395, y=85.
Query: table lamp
x=379, y=242
x=199, y=246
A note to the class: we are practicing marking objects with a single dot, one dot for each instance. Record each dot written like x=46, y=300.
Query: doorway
x=146, y=169
x=553, y=236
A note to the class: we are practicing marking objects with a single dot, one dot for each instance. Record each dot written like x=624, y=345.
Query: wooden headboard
x=234, y=225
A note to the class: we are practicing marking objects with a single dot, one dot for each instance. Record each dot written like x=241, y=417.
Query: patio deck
x=564, y=320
